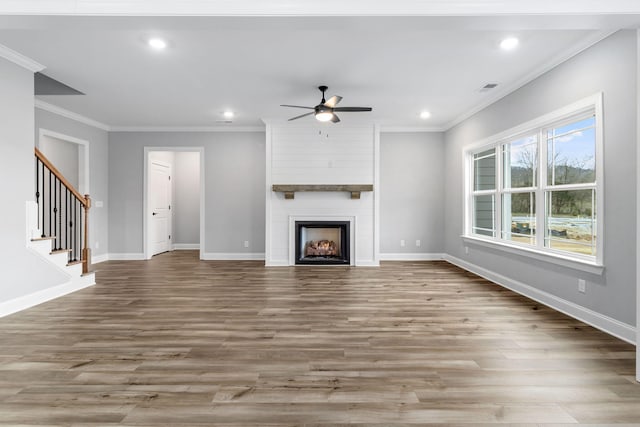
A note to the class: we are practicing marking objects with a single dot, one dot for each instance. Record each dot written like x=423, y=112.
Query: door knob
x=153, y=213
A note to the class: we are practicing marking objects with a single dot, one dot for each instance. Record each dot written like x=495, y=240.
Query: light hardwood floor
x=178, y=342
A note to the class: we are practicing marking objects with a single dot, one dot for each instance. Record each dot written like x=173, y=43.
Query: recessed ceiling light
x=509, y=43
x=425, y=115
x=228, y=114
x=158, y=44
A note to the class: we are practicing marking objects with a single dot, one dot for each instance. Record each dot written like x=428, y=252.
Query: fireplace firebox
x=322, y=242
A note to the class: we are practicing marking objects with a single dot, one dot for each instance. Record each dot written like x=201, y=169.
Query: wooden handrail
x=84, y=200
x=85, y=203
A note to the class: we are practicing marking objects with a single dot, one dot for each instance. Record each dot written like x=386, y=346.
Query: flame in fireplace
x=321, y=248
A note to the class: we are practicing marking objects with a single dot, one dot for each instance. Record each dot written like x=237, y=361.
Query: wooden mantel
x=289, y=190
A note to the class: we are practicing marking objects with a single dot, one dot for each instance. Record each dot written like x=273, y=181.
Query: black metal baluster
x=67, y=225
x=43, y=191
x=38, y=190
x=81, y=227
x=60, y=216
x=75, y=230
x=50, y=204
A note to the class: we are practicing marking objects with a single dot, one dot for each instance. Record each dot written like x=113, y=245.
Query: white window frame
x=591, y=264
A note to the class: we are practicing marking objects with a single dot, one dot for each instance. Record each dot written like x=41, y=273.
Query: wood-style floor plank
x=175, y=341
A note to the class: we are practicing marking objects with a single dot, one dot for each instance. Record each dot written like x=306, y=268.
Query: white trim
x=277, y=263
x=185, y=246
x=325, y=8
x=31, y=300
x=97, y=259
x=235, y=256
x=70, y=115
x=533, y=252
x=187, y=129
x=605, y=323
x=366, y=263
x=84, y=174
x=19, y=59
x=376, y=195
x=145, y=197
x=126, y=257
x=638, y=204
x=411, y=256
x=409, y=129
x=581, y=46
x=268, y=197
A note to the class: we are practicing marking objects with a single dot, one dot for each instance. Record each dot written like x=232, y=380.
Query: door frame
x=83, y=156
x=145, y=195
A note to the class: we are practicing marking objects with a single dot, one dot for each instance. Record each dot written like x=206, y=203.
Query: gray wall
x=64, y=155
x=609, y=67
x=186, y=198
x=98, y=171
x=234, y=188
x=411, y=192
x=23, y=272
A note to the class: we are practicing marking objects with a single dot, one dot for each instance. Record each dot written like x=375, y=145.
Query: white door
x=159, y=207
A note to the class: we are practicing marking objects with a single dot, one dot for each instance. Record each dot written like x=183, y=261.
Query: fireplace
x=322, y=242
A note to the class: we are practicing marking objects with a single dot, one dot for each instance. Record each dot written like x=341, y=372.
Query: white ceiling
x=397, y=65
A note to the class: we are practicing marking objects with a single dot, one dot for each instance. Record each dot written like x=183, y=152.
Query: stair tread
x=60, y=251
x=74, y=262
x=37, y=239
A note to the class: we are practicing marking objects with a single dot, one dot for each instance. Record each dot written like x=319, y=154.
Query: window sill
x=565, y=261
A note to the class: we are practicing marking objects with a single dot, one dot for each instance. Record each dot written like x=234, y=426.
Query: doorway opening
x=173, y=211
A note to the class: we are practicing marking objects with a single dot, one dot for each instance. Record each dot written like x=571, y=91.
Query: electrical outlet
x=99, y=204
x=402, y=243
x=582, y=286
x=418, y=242
x=246, y=243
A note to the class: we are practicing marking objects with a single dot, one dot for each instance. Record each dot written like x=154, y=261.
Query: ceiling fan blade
x=296, y=106
x=333, y=101
x=352, y=109
x=335, y=119
x=300, y=116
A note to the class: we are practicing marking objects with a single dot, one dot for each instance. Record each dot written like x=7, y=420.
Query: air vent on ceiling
x=224, y=121
x=488, y=86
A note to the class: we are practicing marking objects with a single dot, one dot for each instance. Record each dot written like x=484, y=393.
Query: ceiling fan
x=325, y=111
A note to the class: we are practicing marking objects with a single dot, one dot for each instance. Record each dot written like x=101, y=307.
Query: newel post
x=86, y=250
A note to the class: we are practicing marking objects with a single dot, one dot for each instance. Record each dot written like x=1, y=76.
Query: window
x=538, y=187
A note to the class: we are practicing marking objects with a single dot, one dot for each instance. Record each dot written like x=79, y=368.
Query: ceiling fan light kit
x=325, y=110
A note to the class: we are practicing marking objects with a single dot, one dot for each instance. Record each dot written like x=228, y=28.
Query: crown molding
x=408, y=129
x=187, y=129
x=579, y=47
x=324, y=8
x=70, y=115
x=21, y=60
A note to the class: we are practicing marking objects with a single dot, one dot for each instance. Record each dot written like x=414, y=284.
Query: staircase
x=59, y=224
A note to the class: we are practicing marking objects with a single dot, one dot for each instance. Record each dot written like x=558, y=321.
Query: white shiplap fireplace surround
x=322, y=154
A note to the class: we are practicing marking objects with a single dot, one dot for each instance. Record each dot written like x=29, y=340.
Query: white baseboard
x=367, y=263
x=126, y=257
x=31, y=300
x=605, y=323
x=411, y=257
x=97, y=259
x=186, y=246
x=234, y=256
x=277, y=263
